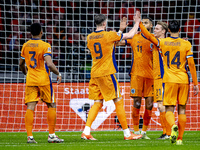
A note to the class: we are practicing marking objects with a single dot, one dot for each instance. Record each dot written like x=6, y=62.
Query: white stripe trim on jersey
x=189, y=56
x=53, y=97
x=22, y=57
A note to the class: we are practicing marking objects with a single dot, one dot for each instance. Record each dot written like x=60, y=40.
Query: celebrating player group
x=158, y=73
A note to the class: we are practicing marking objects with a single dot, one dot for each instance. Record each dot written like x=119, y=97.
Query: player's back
x=102, y=47
x=142, y=56
x=175, y=52
x=34, y=51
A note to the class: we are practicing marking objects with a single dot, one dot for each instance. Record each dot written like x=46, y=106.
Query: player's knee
x=161, y=108
x=181, y=109
x=51, y=105
x=117, y=99
x=149, y=106
x=137, y=104
x=31, y=105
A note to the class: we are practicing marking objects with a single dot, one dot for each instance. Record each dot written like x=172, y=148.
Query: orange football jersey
x=34, y=52
x=175, y=52
x=102, y=47
x=141, y=56
x=158, y=69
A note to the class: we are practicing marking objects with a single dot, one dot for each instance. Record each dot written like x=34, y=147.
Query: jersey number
x=175, y=60
x=139, y=48
x=98, y=50
x=33, y=59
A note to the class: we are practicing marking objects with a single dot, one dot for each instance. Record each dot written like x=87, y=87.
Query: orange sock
x=51, y=119
x=168, y=128
x=29, y=122
x=146, y=119
x=135, y=116
x=162, y=121
x=181, y=125
x=121, y=114
x=170, y=118
x=93, y=113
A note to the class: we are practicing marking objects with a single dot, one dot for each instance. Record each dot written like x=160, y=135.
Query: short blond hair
x=164, y=26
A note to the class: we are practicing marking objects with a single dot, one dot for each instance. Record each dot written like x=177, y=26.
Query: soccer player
x=176, y=55
x=159, y=32
x=37, y=56
x=141, y=77
x=103, y=83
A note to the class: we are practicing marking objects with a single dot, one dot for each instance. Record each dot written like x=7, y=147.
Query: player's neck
x=36, y=37
x=100, y=28
x=161, y=37
x=174, y=34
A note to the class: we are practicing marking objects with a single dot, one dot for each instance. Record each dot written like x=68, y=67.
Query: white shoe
x=144, y=136
x=55, y=139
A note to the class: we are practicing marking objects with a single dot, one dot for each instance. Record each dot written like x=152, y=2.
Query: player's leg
x=136, y=113
x=29, y=121
x=31, y=99
x=110, y=90
x=119, y=104
x=183, y=97
x=47, y=95
x=169, y=101
x=147, y=116
x=94, y=94
x=181, y=123
x=91, y=117
x=149, y=98
x=164, y=124
x=136, y=94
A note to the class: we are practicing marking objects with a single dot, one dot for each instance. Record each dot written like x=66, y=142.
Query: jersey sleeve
x=114, y=36
x=148, y=35
x=128, y=41
x=22, y=52
x=188, y=50
x=47, y=50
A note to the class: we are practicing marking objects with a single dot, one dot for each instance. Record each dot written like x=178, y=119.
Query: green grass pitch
x=107, y=140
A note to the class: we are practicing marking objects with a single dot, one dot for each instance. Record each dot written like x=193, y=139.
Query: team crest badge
x=133, y=91
x=49, y=49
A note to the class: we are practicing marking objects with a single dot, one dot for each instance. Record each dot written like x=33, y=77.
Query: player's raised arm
x=192, y=68
x=133, y=31
x=148, y=35
x=53, y=68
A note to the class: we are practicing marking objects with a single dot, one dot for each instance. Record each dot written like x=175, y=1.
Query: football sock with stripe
x=121, y=114
x=146, y=119
x=170, y=118
x=163, y=121
x=135, y=116
x=51, y=119
x=181, y=125
x=29, y=122
x=93, y=113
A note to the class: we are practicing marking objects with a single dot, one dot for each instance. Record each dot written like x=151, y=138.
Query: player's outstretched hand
x=137, y=17
x=196, y=89
x=59, y=78
x=123, y=24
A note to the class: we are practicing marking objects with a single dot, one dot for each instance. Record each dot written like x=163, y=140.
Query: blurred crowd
x=66, y=25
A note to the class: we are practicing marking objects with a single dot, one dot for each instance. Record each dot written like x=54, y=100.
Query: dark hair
x=145, y=17
x=174, y=26
x=99, y=19
x=36, y=29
